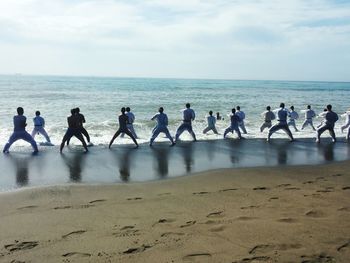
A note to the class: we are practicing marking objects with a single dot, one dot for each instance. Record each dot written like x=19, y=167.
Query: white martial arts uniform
x=162, y=123
x=241, y=125
x=268, y=117
x=309, y=114
x=281, y=124
x=346, y=124
x=188, y=117
x=130, y=126
x=211, y=125
x=39, y=124
x=292, y=116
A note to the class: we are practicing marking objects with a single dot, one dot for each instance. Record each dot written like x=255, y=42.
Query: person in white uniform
x=188, y=117
x=39, y=127
x=211, y=124
x=292, y=116
x=323, y=116
x=331, y=118
x=241, y=116
x=281, y=123
x=130, y=125
x=346, y=124
x=268, y=116
x=234, y=126
x=162, y=126
x=19, y=132
x=309, y=115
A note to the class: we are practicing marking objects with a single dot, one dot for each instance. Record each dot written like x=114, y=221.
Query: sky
x=216, y=39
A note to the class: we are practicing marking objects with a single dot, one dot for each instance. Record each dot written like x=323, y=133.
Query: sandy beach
x=280, y=214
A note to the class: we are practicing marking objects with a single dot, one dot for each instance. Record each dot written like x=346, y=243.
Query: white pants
x=306, y=122
x=41, y=130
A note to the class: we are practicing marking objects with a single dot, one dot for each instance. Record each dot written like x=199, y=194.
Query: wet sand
x=271, y=214
x=123, y=163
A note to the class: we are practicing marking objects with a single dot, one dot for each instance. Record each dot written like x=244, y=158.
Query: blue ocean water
x=100, y=100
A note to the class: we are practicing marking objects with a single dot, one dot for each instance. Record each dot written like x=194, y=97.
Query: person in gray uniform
x=162, y=123
x=309, y=114
x=241, y=116
x=39, y=127
x=19, y=132
x=292, y=116
x=234, y=126
x=331, y=118
x=130, y=125
x=188, y=117
x=281, y=123
x=123, y=121
x=268, y=116
x=211, y=124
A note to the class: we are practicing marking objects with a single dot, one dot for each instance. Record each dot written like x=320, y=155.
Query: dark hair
x=127, y=109
x=188, y=105
x=161, y=109
x=122, y=110
x=238, y=108
x=233, y=110
x=309, y=106
x=210, y=112
x=37, y=113
x=329, y=107
x=282, y=105
x=73, y=111
x=292, y=107
x=268, y=108
x=20, y=111
x=77, y=110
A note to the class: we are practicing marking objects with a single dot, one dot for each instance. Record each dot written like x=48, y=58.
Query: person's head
x=188, y=105
x=325, y=109
x=308, y=107
x=329, y=107
x=73, y=111
x=238, y=108
x=292, y=107
x=77, y=110
x=282, y=105
x=20, y=111
x=210, y=112
x=218, y=114
x=233, y=110
x=122, y=110
x=127, y=109
x=161, y=110
x=37, y=113
x=268, y=108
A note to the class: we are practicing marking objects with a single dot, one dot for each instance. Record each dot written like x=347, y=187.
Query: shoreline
x=261, y=214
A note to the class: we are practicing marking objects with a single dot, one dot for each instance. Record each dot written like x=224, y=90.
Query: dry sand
x=289, y=214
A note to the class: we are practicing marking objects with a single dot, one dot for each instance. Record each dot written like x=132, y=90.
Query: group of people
x=285, y=118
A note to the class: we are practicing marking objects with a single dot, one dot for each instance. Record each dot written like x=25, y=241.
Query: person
x=81, y=119
x=123, y=121
x=211, y=123
x=309, y=114
x=218, y=116
x=130, y=125
x=346, y=124
x=323, y=116
x=268, y=116
x=74, y=129
x=281, y=123
x=188, y=117
x=292, y=115
x=241, y=116
x=234, y=124
x=331, y=118
x=162, y=123
x=39, y=127
x=19, y=132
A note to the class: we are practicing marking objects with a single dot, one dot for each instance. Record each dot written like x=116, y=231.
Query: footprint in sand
x=249, y=207
x=344, y=246
x=134, y=198
x=200, y=193
x=228, y=189
x=188, y=223
x=336, y=175
x=197, y=256
x=21, y=246
x=76, y=254
x=97, y=201
x=322, y=258
x=163, y=221
x=217, y=228
x=215, y=214
x=287, y=220
x=74, y=207
x=246, y=218
x=78, y=232
x=309, y=182
x=164, y=194
x=283, y=185
x=344, y=209
x=127, y=231
x=266, y=248
x=260, y=188
x=315, y=214
x=136, y=249
x=346, y=188
x=292, y=188
x=27, y=207
x=254, y=259
x=166, y=234
x=274, y=198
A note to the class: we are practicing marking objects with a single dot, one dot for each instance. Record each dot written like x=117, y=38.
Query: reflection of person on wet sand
x=188, y=156
x=327, y=151
x=74, y=165
x=124, y=165
x=161, y=157
x=21, y=166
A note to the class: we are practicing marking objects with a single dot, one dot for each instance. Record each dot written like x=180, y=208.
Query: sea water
x=100, y=100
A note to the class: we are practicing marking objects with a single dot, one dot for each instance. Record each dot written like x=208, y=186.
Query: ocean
x=100, y=100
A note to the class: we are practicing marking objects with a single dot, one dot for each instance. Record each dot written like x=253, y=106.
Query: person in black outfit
x=123, y=121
